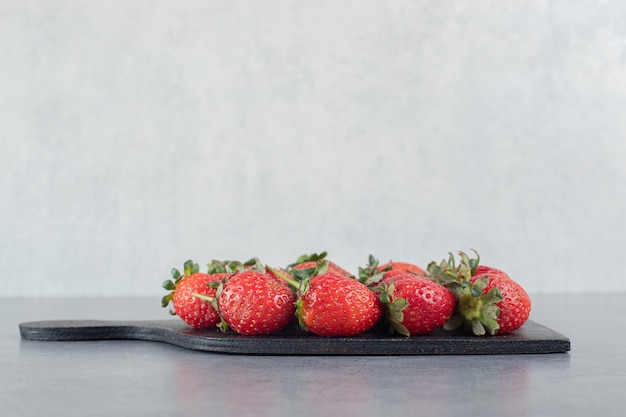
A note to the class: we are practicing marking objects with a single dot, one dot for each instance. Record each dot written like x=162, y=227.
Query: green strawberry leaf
x=320, y=268
x=383, y=295
x=370, y=275
x=398, y=327
x=477, y=327
x=494, y=296
x=251, y=262
x=166, y=299
x=168, y=285
x=301, y=274
x=454, y=323
x=490, y=325
x=188, y=268
x=313, y=257
x=399, y=304
x=216, y=267
x=222, y=325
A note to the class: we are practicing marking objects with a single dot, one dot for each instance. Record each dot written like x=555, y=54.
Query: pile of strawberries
x=252, y=298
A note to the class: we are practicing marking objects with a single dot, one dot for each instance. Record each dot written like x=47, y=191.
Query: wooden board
x=530, y=338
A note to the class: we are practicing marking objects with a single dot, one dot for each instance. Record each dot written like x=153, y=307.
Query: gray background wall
x=137, y=134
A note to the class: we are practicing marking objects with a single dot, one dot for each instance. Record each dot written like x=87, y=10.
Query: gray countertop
x=138, y=378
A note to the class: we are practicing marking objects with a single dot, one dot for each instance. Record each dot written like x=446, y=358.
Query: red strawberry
x=330, y=304
x=415, y=304
x=253, y=303
x=310, y=261
x=193, y=311
x=515, y=305
x=335, y=305
x=373, y=272
x=489, y=301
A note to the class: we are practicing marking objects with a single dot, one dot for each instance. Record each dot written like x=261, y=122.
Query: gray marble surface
x=136, y=378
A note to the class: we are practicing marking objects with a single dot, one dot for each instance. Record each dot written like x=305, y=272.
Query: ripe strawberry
x=335, y=305
x=515, y=305
x=373, y=273
x=191, y=310
x=253, y=303
x=415, y=304
x=330, y=304
x=489, y=301
x=310, y=261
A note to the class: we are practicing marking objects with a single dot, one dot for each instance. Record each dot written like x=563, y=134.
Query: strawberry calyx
x=394, y=315
x=310, y=260
x=371, y=273
x=189, y=268
x=443, y=272
x=228, y=267
x=476, y=310
x=312, y=257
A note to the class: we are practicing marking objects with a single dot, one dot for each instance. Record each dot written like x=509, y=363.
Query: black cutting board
x=530, y=338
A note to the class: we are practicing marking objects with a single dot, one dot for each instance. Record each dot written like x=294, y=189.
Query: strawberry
x=310, y=261
x=191, y=310
x=330, y=304
x=515, y=305
x=254, y=303
x=373, y=272
x=415, y=304
x=335, y=305
x=489, y=301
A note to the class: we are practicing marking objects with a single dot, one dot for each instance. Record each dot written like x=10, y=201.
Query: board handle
x=76, y=330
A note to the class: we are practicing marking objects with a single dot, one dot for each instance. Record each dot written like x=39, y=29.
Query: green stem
x=203, y=297
x=284, y=276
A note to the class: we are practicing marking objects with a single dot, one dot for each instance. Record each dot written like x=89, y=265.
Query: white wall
x=137, y=134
